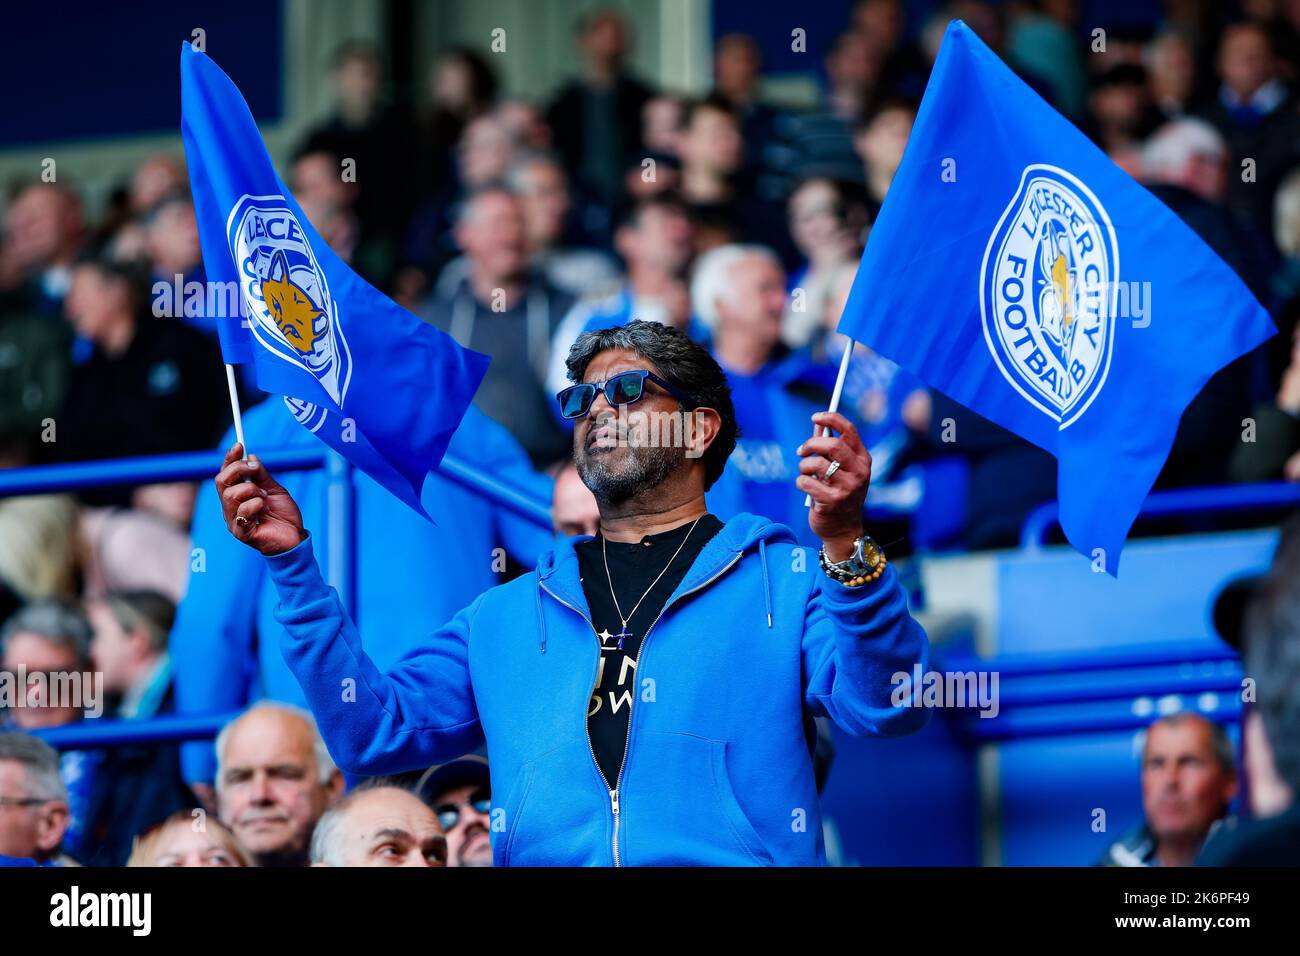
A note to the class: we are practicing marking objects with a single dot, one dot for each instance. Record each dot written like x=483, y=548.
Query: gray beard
x=646, y=468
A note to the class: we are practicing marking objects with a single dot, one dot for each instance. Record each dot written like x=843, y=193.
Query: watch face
x=871, y=553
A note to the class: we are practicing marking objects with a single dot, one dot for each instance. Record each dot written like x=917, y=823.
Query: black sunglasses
x=448, y=814
x=624, y=388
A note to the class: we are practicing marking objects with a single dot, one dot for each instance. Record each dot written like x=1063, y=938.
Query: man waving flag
x=1003, y=270
x=383, y=388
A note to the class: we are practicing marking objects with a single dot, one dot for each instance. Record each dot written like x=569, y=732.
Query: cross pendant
x=622, y=634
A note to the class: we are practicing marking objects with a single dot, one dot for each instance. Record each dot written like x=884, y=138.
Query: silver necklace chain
x=610, y=579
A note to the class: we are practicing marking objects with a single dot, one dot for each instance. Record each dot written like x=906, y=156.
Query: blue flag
x=1007, y=269
x=391, y=387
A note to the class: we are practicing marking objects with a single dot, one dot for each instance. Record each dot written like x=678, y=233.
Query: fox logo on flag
x=392, y=388
x=998, y=271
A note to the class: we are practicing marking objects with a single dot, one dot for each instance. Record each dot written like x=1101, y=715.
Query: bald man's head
x=379, y=826
x=274, y=780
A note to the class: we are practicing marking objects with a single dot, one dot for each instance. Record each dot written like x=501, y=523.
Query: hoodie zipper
x=645, y=641
x=613, y=794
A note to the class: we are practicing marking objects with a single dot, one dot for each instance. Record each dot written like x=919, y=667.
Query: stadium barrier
x=203, y=465
x=1177, y=502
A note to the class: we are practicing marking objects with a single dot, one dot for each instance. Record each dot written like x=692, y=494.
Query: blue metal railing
x=200, y=465
x=91, y=733
x=1178, y=501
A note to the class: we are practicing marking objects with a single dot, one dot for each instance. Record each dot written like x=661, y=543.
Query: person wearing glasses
x=647, y=695
x=460, y=793
x=33, y=803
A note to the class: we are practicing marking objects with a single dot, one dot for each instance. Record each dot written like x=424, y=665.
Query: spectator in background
x=366, y=132
x=379, y=825
x=460, y=793
x=656, y=243
x=739, y=292
x=1042, y=39
x=462, y=87
x=737, y=71
x=38, y=547
x=1170, y=60
x=596, y=119
x=882, y=23
x=44, y=232
x=723, y=204
x=33, y=801
x=158, y=177
x=828, y=220
x=274, y=781
x=173, y=251
x=329, y=202
x=1120, y=111
x=526, y=125
x=1188, y=782
x=573, y=506
x=130, y=649
x=226, y=622
x=49, y=643
x=1256, y=113
x=882, y=399
x=822, y=139
x=1271, y=730
x=113, y=793
x=188, y=839
x=879, y=140
x=166, y=382
x=539, y=183
x=1183, y=164
x=505, y=310
x=47, y=640
x=1275, y=452
x=483, y=155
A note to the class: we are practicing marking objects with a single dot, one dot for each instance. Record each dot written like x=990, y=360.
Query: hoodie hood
x=557, y=570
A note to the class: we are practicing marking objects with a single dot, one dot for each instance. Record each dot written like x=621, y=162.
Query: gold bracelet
x=867, y=579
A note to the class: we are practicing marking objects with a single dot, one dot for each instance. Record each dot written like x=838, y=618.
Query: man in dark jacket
x=596, y=120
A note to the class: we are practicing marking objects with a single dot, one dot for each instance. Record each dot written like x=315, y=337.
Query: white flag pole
x=835, y=395
x=234, y=408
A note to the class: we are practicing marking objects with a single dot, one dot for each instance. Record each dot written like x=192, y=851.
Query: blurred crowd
x=515, y=225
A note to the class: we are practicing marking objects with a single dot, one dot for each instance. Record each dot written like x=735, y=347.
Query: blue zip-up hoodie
x=717, y=769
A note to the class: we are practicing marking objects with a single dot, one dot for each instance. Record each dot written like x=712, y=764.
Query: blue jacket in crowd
x=409, y=573
x=774, y=409
x=754, y=642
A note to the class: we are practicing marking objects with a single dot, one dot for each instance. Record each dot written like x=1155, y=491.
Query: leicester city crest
x=289, y=307
x=1048, y=290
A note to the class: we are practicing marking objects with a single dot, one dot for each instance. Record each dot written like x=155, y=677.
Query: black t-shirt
x=632, y=569
x=165, y=393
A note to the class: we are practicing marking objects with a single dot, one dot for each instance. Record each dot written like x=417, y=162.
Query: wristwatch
x=864, y=565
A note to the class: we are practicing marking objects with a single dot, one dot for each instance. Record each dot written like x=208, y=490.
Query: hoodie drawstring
x=767, y=586
x=541, y=618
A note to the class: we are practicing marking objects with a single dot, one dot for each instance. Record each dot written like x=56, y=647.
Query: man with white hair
x=738, y=293
x=1189, y=154
x=379, y=825
x=274, y=781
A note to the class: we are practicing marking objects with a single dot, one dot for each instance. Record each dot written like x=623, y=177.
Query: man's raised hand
x=258, y=511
